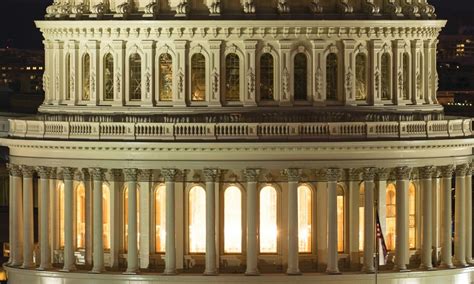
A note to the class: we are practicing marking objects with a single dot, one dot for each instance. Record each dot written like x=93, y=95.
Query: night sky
x=17, y=28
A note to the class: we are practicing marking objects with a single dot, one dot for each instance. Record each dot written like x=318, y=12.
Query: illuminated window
x=406, y=76
x=198, y=78
x=86, y=77
x=304, y=219
x=385, y=77
x=361, y=77
x=232, y=220
x=166, y=77
x=68, y=76
x=61, y=213
x=361, y=216
x=411, y=216
x=266, y=77
x=109, y=77
x=232, y=77
x=331, y=77
x=125, y=216
x=197, y=220
x=160, y=219
x=106, y=216
x=340, y=219
x=135, y=77
x=390, y=197
x=300, y=82
x=268, y=220
x=80, y=216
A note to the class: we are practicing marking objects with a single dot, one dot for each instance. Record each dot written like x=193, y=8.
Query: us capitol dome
x=182, y=139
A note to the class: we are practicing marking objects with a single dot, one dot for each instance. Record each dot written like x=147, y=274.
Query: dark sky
x=17, y=28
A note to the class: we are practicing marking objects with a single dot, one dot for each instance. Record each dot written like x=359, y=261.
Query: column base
x=293, y=272
x=68, y=269
x=368, y=270
x=426, y=267
x=97, y=270
x=401, y=269
x=44, y=268
x=131, y=272
x=170, y=272
x=333, y=272
x=27, y=265
x=447, y=266
x=211, y=273
x=252, y=273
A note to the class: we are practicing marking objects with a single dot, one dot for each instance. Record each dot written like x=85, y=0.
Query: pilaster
x=58, y=71
x=353, y=216
x=397, y=76
x=319, y=94
x=286, y=96
x=144, y=180
x=93, y=48
x=375, y=72
x=250, y=89
x=349, y=71
x=179, y=96
x=119, y=72
x=148, y=74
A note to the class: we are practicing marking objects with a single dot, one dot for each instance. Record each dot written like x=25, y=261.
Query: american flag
x=382, y=248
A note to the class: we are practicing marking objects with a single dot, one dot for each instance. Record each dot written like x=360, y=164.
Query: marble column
x=116, y=186
x=44, y=236
x=170, y=254
x=402, y=175
x=16, y=241
x=468, y=217
x=97, y=220
x=144, y=180
x=251, y=175
x=353, y=217
x=28, y=228
x=446, y=223
x=322, y=217
x=333, y=175
x=85, y=177
x=436, y=244
x=69, y=259
x=369, y=219
x=427, y=211
x=293, y=261
x=211, y=267
x=459, y=217
x=132, y=253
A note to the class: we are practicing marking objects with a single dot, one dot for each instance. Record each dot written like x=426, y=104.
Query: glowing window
x=385, y=77
x=198, y=78
x=108, y=77
x=390, y=197
x=160, y=219
x=304, y=219
x=197, y=220
x=125, y=216
x=61, y=213
x=406, y=76
x=68, y=76
x=268, y=220
x=411, y=216
x=361, y=216
x=300, y=82
x=331, y=77
x=232, y=220
x=166, y=77
x=135, y=76
x=361, y=77
x=86, y=77
x=80, y=216
x=267, y=77
x=106, y=216
x=340, y=219
x=232, y=77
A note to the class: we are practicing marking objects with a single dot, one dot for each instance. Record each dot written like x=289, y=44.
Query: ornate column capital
x=68, y=173
x=461, y=170
x=333, y=174
x=27, y=171
x=144, y=175
x=292, y=174
x=211, y=174
x=382, y=174
x=130, y=174
x=43, y=172
x=97, y=174
x=53, y=173
x=320, y=175
x=86, y=175
x=469, y=169
x=14, y=170
x=354, y=174
x=426, y=172
x=447, y=171
x=115, y=174
x=170, y=174
x=402, y=173
x=368, y=174
x=251, y=175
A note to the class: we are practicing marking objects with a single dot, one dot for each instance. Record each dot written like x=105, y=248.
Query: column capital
x=470, y=169
x=426, y=172
x=144, y=175
x=211, y=174
x=97, y=173
x=115, y=174
x=447, y=171
x=170, y=174
x=333, y=174
x=382, y=174
x=14, y=170
x=461, y=170
x=368, y=174
x=86, y=175
x=251, y=175
x=402, y=173
x=53, y=173
x=321, y=175
x=292, y=174
x=130, y=174
x=68, y=173
x=27, y=171
x=43, y=172
x=354, y=174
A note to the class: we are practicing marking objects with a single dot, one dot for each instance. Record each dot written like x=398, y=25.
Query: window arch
x=160, y=218
x=80, y=216
x=232, y=220
x=412, y=215
x=135, y=77
x=385, y=76
x=340, y=218
x=197, y=220
x=268, y=220
x=86, y=77
x=198, y=78
x=125, y=217
x=166, y=77
x=300, y=81
x=267, y=77
x=232, y=77
x=60, y=191
x=361, y=215
x=390, y=199
x=406, y=76
x=108, y=77
x=68, y=76
x=106, y=215
x=331, y=77
x=305, y=220
x=361, y=77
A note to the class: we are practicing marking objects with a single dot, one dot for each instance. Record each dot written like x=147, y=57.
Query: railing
x=239, y=131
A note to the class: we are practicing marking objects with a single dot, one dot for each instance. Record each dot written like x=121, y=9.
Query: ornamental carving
x=283, y=7
x=426, y=172
x=333, y=174
x=251, y=82
x=56, y=83
x=344, y=7
x=286, y=83
x=52, y=10
x=182, y=8
x=410, y=9
x=130, y=174
x=116, y=174
x=97, y=174
x=447, y=171
x=461, y=170
x=418, y=84
x=27, y=171
x=180, y=81
x=377, y=82
x=349, y=83
x=14, y=170
x=152, y=8
x=382, y=174
x=370, y=7
x=215, y=83
x=80, y=9
x=72, y=84
x=353, y=174
x=402, y=173
x=215, y=7
x=368, y=174
x=292, y=174
x=249, y=7
x=124, y=9
x=251, y=175
x=169, y=174
x=319, y=83
x=393, y=8
x=100, y=9
x=144, y=175
x=68, y=173
x=43, y=172
x=148, y=83
x=315, y=7
x=211, y=174
x=400, y=82
x=427, y=11
x=118, y=82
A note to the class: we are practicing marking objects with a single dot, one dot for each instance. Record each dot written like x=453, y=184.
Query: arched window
x=166, y=77
x=361, y=216
x=267, y=92
x=80, y=216
x=268, y=220
x=304, y=219
x=340, y=218
x=390, y=197
x=109, y=77
x=125, y=217
x=160, y=219
x=135, y=77
x=412, y=216
x=106, y=215
x=68, y=76
x=331, y=77
x=385, y=77
x=232, y=77
x=86, y=77
x=60, y=191
x=232, y=220
x=361, y=77
x=198, y=78
x=197, y=220
x=406, y=76
x=300, y=82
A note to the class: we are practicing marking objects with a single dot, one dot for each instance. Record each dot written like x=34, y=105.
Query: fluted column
x=333, y=175
x=293, y=261
x=170, y=254
x=369, y=219
x=116, y=184
x=381, y=178
x=69, y=260
x=446, y=225
x=144, y=178
x=353, y=217
x=16, y=246
x=459, y=217
x=132, y=253
x=402, y=175
x=97, y=220
x=45, y=245
x=435, y=209
x=28, y=237
x=426, y=187
x=251, y=175
x=211, y=175
x=468, y=222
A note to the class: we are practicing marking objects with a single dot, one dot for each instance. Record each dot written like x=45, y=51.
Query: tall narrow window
x=390, y=197
x=109, y=77
x=232, y=220
x=267, y=79
x=268, y=220
x=406, y=77
x=232, y=77
x=304, y=219
x=80, y=216
x=300, y=82
x=160, y=219
x=361, y=216
x=166, y=77
x=331, y=77
x=68, y=77
x=106, y=215
x=135, y=77
x=125, y=217
x=385, y=77
x=61, y=213
x=198, y=78
x=197, y=220
x=340, y=218
x=412, y=216
x=86, y=77
x=361, y=77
